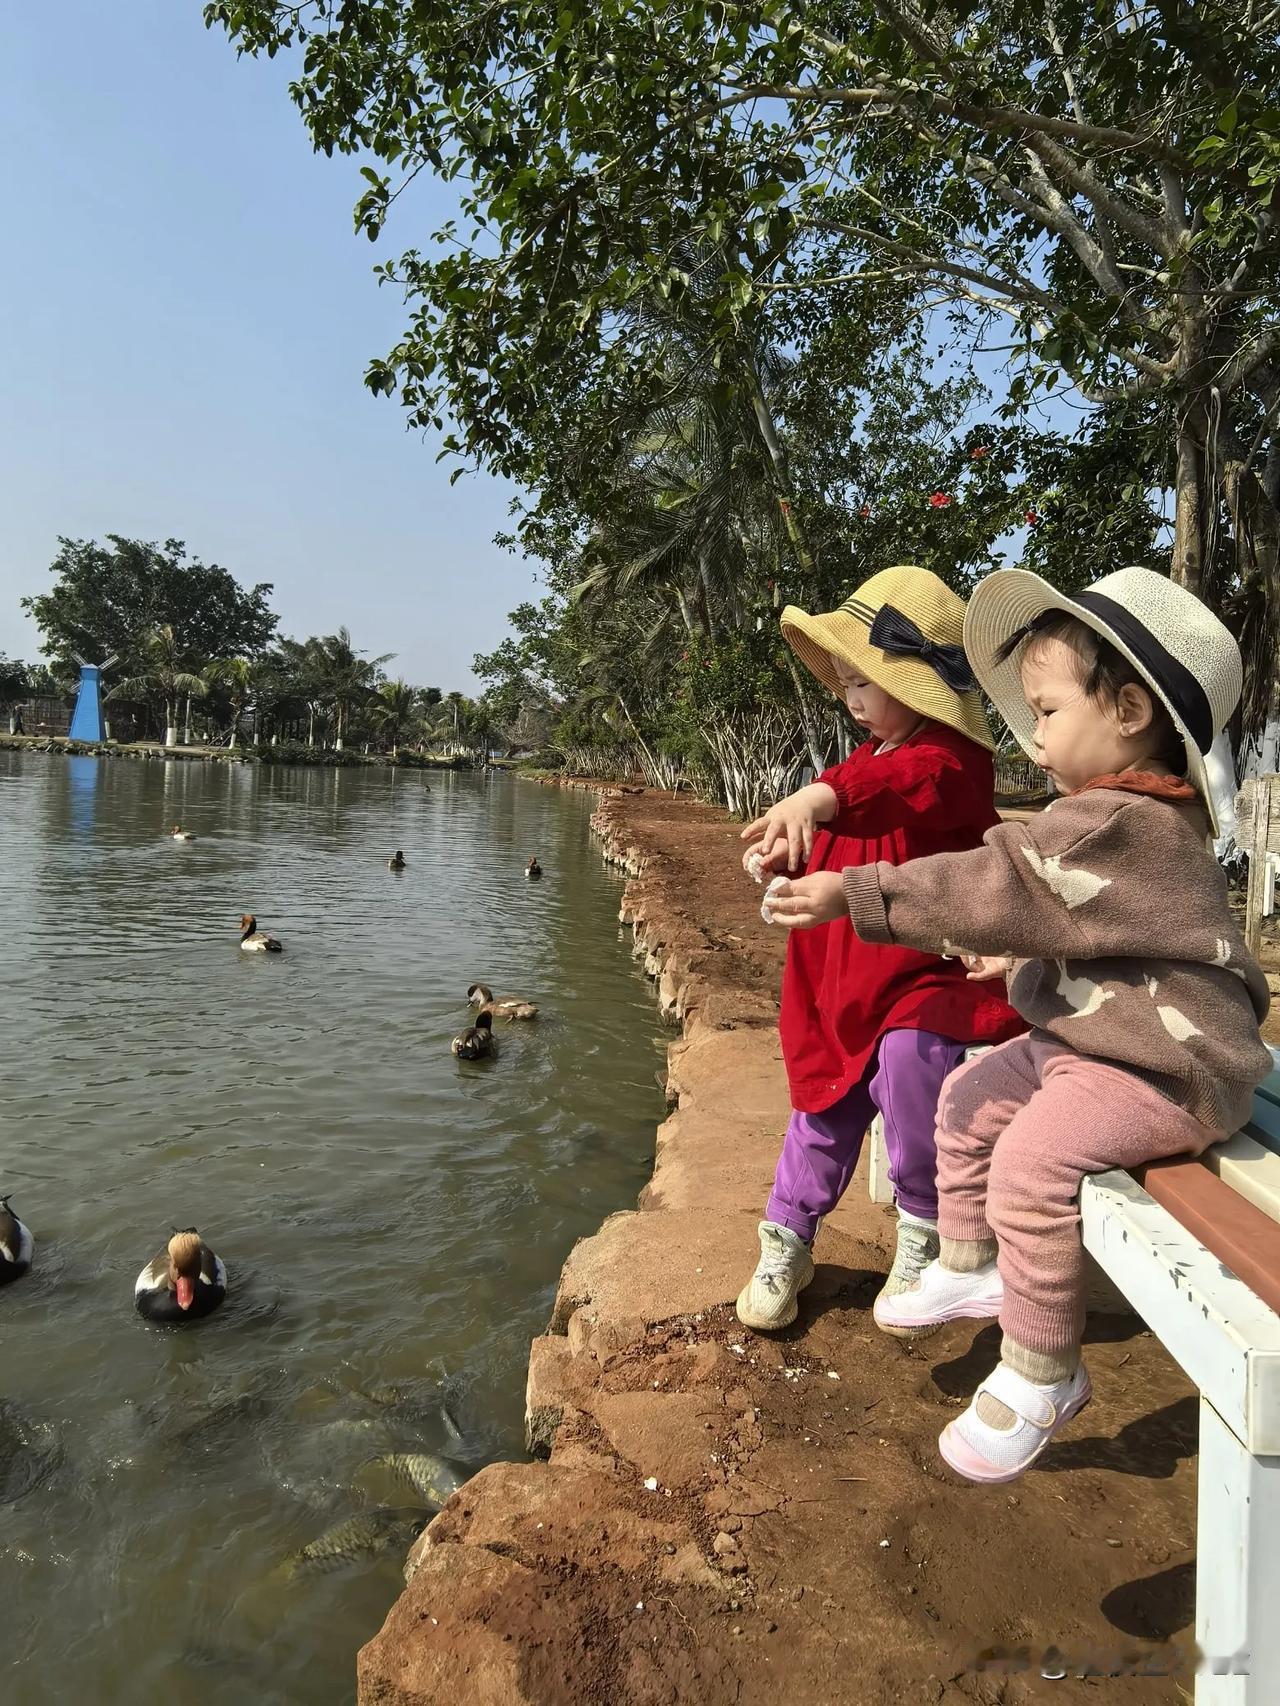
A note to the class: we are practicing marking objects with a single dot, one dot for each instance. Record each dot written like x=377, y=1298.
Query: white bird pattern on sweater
x=1174, y=1021
x=1073, y=888
x=1223, y=958
x=1081, y=994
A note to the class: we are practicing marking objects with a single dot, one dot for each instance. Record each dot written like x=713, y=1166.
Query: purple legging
x=902, y=1081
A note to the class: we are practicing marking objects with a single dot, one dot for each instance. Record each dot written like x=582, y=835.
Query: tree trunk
x=1190, y=505
x=704, y=579
x=686, y=612
x=812, y=737
x=1255, y=522
x=781, y=471
x=311, y=726
x=171, y=722
x=186, y=722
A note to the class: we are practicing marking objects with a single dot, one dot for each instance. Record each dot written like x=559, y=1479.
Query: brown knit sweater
x=1116, y=916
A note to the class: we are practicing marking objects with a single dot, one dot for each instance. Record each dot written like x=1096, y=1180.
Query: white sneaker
x=917, y=1247
x=940, y=1296
x=768, y=1301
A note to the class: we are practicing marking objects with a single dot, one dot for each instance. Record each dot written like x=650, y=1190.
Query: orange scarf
x=1143, y=782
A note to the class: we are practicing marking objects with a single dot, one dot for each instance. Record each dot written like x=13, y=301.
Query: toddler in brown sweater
x=1108, y=915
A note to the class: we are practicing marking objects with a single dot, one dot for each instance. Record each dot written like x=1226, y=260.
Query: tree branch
x=1264, y=345
x=1114, y=207
x=1011, y=120
x=1019, y=290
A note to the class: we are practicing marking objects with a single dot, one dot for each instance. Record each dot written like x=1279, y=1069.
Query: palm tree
x=237, y=676
x=348, y=677
x=300, y=668
x=393, y=706
x=162, y=674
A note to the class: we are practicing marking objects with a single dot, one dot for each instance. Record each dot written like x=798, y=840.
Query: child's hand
x=771, y=863
x=983, y=967
x=790, y=825
x=803, y=902
x=785, y=834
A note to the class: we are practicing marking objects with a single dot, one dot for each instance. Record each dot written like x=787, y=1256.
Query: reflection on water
x=393, y=1220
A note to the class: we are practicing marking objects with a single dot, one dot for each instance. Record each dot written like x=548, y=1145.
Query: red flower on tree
x=979, y=451
x=1033, y=520
x=865, y=511
x=939, y=500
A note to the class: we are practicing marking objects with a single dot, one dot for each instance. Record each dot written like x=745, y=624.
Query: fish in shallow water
x=423, y=1472
x=361, y=1537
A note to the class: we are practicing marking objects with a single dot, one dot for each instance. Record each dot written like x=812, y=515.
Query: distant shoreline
x=316, y=758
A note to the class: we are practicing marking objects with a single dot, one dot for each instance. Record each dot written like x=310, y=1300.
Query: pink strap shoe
x=981, y=1452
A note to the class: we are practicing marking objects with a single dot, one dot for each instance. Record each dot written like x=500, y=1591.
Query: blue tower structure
x=87, y=720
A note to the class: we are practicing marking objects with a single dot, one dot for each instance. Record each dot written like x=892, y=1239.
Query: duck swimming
x=533, y=868
x=180, y=834
x=397, y=861
x=17, y=1246
x=477, y=1042
x=255, y=941
x=182, y=1282
x=500, y=1006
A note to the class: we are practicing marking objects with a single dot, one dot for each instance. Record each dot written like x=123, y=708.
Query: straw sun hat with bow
x=903, y=629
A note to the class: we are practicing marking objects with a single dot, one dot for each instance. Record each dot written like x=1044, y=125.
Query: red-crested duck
x=255, y=941
x=182, y=1282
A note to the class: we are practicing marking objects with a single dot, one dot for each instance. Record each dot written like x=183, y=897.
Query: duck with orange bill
x=180, y=834
x=533, y=868
x=183, y=1282
x=255, y=941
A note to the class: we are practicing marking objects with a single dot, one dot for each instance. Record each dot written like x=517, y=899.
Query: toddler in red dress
x=870, y=1027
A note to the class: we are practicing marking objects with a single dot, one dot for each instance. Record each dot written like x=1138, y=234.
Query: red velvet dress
x=933, y=794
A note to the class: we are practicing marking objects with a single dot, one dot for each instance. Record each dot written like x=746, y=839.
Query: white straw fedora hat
x=903, y=629
x=1178, y=646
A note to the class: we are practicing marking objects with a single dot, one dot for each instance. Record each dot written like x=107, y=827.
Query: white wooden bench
x=1227, y=1340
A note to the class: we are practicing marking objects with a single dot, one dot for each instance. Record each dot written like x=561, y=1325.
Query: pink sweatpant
x=1018, y=1128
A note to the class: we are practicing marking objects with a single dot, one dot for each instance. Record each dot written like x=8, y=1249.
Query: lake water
x=393, y=1220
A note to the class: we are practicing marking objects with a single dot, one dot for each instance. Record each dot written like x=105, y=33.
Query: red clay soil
x=728, y=1518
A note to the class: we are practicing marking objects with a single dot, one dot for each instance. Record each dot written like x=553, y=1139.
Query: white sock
x=916, y=1220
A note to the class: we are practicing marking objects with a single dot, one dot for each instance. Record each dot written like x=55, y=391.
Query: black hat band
x=1184, y=693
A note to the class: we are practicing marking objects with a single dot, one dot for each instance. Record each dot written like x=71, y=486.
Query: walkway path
x=726, y=1518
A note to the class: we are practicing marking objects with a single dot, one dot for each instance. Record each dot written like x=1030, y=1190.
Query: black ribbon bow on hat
x=899, y=636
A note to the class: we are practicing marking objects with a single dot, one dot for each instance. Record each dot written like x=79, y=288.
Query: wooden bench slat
x=1238, y=1234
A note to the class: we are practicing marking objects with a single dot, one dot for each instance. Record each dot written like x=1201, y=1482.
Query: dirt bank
x=724, y=1518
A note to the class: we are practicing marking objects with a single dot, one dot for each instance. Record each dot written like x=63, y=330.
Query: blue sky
x=188, y=314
